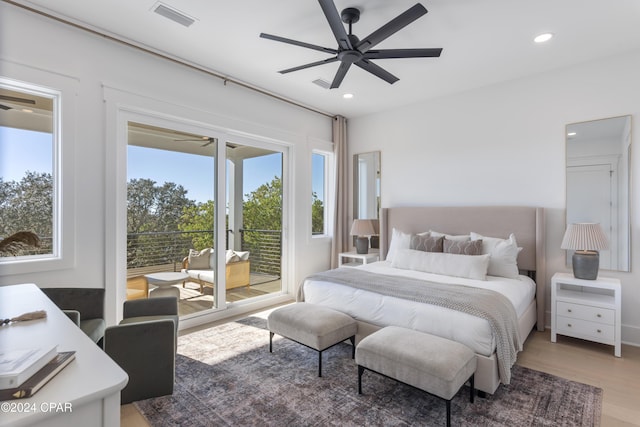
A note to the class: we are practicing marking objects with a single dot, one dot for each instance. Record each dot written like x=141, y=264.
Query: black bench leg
x=472, y=387
x=360, y=372
x=448, y=413
x=320, y=363
x=353, y=346
x=271, y=342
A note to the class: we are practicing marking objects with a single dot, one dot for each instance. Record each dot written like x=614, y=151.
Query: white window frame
x=63, y=91
x=324, y=149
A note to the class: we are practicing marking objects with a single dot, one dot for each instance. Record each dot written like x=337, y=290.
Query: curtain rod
x=175, y=60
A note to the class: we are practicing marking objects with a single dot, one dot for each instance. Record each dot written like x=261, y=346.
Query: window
x=318, y=193
x=29, y=183
x=321, y=178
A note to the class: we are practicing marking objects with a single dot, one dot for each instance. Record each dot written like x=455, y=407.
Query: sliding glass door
x=176, y=235
x=255, y=220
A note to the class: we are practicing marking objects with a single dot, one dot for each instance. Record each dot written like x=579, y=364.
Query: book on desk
x=19, y=364
x=34, y=383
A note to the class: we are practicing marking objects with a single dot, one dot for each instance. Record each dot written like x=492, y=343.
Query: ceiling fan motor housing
x=350, y=15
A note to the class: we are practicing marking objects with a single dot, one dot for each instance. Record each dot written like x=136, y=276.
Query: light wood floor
x=569, y=358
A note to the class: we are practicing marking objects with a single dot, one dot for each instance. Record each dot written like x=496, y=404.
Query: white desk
x=87, y=390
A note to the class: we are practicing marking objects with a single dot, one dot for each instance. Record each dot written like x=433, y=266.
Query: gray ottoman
x=433, y=364
x=312, y=325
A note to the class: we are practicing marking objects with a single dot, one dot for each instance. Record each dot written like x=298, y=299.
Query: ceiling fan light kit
x=353, y=51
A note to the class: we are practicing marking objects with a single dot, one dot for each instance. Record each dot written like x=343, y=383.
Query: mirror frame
x=625, y=205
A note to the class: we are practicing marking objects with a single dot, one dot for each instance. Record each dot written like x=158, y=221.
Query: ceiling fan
x=206, y=139
x=14, y=99
x=352, y=50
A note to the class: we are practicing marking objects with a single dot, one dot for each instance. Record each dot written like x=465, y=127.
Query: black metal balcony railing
x=162, y=248
x=265, y=250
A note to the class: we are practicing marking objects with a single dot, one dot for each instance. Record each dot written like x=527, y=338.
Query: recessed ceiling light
x=571, y=134
x=347, y=96
x=26, y=110
x=544, y=37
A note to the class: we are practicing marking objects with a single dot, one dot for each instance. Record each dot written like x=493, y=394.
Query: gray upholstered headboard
x=527, y=223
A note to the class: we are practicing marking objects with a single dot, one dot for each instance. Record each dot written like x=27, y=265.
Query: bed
x=374, y=310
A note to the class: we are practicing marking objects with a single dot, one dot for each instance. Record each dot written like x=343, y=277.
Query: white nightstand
x=586, y=309
x=372, y=256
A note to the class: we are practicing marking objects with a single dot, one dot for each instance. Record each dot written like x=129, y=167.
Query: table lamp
x=362, y=228
x=586, y=239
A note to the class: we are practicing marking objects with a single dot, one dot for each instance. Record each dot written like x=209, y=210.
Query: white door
x=590, y=198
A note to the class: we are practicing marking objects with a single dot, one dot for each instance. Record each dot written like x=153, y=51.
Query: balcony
x=154, y=252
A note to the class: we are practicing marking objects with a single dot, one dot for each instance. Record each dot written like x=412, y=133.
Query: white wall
x=35, y=42
x=505, y=145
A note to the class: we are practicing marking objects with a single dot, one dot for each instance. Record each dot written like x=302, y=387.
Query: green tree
x=317, y=215
x=262, y=208
x=27, y=205
x=199, y=218
x=155, y=208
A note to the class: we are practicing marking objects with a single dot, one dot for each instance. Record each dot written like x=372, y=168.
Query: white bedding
x=383, y=310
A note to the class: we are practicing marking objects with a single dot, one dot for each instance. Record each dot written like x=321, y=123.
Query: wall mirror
x=598, y=178
x=366, y=185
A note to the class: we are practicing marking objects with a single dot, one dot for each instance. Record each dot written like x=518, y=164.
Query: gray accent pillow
x=199, y=260
x=426, y=243
x=471, y=247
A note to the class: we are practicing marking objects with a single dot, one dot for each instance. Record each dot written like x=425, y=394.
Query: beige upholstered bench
x=312, y=325
x=432, y=364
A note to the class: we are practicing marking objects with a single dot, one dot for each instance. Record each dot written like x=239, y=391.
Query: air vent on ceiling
x=171, y=13
x=322, y=83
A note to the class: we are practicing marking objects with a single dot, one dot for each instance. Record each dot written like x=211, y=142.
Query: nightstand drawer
x=583, y=329
x=586, y=312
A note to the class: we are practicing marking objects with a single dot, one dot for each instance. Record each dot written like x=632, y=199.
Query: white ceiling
x=483, y=41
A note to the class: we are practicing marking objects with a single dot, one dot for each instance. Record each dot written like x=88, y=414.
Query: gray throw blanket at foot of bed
x=486, y=304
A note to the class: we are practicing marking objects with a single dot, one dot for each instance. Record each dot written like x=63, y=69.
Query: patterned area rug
x=225, y=376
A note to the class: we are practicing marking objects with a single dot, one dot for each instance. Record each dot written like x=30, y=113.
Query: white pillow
x=468, y=266
x=231, y=256
x=243, y=255
x=399, y=240
x=459, y=238
x=504, y=255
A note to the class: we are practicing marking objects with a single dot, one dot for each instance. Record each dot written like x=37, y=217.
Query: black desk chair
x=144, y=346
x=84, y=306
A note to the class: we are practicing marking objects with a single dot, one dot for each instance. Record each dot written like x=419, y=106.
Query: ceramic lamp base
x=362, y=245
x=586, y=264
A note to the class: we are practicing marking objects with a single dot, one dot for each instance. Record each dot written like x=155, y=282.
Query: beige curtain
x=340, y=241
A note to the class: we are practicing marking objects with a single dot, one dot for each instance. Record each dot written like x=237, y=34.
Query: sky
x=22, y=151
x=195, y=173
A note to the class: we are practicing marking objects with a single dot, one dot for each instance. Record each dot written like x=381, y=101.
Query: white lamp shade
x=584, y=237
x=362, y=227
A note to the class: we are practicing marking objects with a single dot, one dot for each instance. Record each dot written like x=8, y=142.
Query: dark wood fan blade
x=377, y=71
x=335, y=22
x=342, y=71
x=403, y=53
x=313, y=64
x=298, y=43
x=391, y=27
